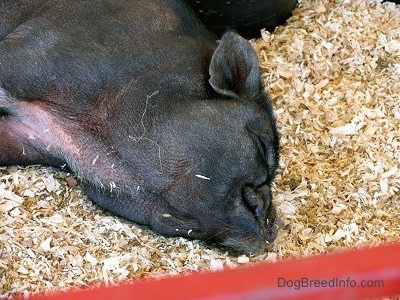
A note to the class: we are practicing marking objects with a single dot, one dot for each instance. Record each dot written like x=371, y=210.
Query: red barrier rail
x=355, y=274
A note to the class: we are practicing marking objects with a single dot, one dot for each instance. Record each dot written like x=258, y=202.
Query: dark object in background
x=247, y=17
x=395, y=1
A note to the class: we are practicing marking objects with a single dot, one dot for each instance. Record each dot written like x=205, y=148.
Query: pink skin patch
x=46, y=131
x=41, y=127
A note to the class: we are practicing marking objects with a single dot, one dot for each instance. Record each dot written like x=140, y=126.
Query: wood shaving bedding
x=333, y=72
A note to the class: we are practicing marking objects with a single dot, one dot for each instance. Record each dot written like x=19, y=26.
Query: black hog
x=166, y=127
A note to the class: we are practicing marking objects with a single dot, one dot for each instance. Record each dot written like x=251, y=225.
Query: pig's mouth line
x=267, y=233
x=180, y=226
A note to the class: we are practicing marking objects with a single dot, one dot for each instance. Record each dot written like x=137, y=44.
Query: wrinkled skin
x=166, y=127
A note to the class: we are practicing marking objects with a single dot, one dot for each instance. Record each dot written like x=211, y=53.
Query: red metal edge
x=327, y=276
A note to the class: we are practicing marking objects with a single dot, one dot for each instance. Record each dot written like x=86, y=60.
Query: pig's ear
x=234, y=68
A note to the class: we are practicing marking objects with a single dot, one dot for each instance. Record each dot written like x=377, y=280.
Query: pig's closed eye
x=266, y=150
x=261, y=141
x=262, y=146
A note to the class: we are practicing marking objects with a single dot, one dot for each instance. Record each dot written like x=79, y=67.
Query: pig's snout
x=259, y=201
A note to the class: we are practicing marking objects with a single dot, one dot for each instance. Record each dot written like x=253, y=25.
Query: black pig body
x=166, y=127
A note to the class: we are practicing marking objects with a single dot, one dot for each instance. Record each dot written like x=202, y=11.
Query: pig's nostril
x=265, y=193
x=254, y=201
x=259, y=202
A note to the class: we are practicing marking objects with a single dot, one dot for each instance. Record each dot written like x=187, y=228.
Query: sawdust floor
x=333, y=72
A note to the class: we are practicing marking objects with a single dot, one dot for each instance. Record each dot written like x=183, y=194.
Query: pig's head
x=217, y=161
